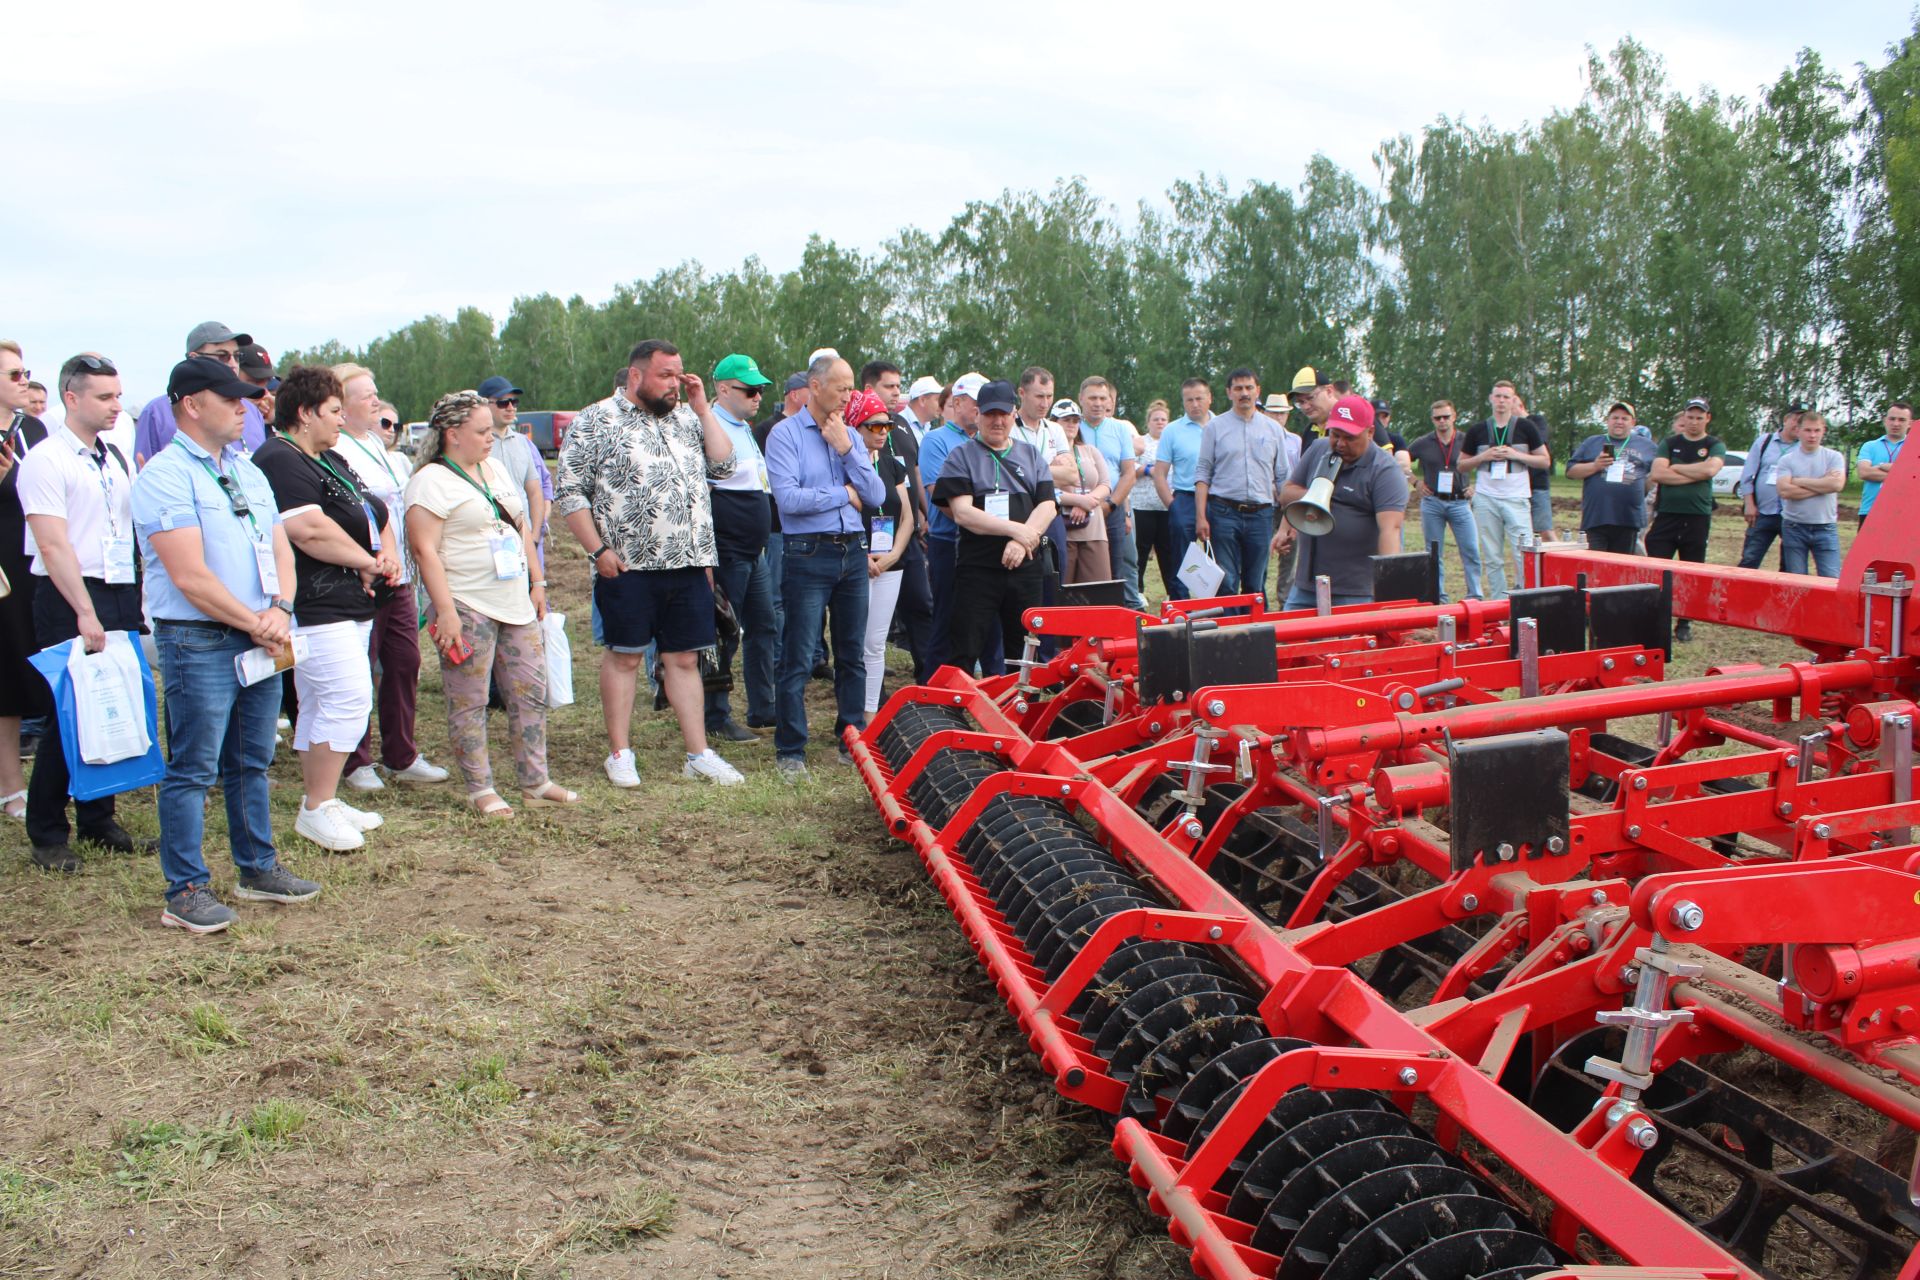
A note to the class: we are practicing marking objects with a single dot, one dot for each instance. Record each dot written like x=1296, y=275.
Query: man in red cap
x=1368, y=504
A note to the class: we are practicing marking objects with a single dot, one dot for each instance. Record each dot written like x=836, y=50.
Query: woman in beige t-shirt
x=472, y=542
x=1081, y=486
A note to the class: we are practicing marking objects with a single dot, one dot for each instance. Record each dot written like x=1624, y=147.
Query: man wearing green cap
x=742, y=518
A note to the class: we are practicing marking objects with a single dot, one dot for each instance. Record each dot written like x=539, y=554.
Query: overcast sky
x=305, y=170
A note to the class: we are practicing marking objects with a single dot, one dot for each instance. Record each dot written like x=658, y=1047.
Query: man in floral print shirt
x=632, y=488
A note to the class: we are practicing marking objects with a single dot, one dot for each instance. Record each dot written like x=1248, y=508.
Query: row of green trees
x=1643, y=244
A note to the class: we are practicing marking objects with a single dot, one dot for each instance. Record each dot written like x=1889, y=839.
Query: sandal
x=6, y=806
x=549, y=796
x=488, y=804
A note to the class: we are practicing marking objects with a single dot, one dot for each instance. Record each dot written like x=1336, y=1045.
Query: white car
x=1729, y=475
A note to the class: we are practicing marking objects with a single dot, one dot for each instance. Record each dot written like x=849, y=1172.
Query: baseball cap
x=255, y=363
x=1700, y=403
x=1276, y=403
x=969, y=384
x=495, y=387
x=823, y=351
x=1308, y=378
x=798, y=382
x=1622, y=404
x=197, y=373
x=1797, y=406
x=1382, y=409
x=1064, y=409
x=924, y=386
x=213, y=331
x=1353, y=415
x=995, y=396
x=739, y=368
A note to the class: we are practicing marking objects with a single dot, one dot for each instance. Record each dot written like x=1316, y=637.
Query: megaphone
x=1313, y=513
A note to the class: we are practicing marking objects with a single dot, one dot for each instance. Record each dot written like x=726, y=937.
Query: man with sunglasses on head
x=517, y=452
x=76, y=490
x=219, y=581
x=209, y=340
x=742, y=520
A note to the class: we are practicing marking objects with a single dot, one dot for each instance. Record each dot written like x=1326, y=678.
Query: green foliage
x=1642, y=243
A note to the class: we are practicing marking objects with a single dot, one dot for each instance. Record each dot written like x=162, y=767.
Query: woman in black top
x=889, y=532
x=345, y=561
x=23, y=693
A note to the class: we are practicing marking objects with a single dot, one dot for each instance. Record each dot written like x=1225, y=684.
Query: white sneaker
x=365, y=779
x=329, y=827
x=420, y=771
x=711, y=767
x=362, y=819
x=621, y=771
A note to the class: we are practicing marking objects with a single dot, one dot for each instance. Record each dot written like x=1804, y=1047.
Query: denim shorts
x=671, y=608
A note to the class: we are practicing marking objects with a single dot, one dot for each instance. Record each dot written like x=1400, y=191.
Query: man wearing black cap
x=1759, y=496
x=1684, y=469
x=219, y=578
x=256, y=366
x=999, y=492
x=1613, y=467
x=208, y=340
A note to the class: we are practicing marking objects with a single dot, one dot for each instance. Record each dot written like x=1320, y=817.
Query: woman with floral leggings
x=466, y=523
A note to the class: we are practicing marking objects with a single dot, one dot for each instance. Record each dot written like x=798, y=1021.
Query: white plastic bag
x=553, y=631
x=109, y=702
x=1198, y=572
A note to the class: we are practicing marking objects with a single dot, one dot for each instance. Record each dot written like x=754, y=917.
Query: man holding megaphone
x=1348, y=497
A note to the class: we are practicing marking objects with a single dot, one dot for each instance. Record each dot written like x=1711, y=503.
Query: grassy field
x=675, y=1032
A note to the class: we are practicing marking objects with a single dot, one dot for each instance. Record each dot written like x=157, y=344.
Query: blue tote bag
x=91, y=781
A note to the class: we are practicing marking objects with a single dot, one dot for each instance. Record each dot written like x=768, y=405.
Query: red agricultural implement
x=1452, y=941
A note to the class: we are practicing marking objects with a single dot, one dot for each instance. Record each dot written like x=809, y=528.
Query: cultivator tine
x=1440, y=970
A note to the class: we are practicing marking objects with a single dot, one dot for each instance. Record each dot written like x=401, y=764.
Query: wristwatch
x=593, y=557
x=285, y=606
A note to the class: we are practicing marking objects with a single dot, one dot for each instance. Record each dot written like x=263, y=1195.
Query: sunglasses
x=236, y=497
x=96, y=364
x=19, y=375
x=508, y=402
x=752, y=393
x=875, y=424
x=224, y=357
x=1443, y=417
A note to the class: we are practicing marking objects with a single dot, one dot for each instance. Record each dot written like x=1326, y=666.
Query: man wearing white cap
x=923, y=406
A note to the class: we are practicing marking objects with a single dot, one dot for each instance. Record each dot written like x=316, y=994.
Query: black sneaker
x=55, y=857
x=275, y=884
x=115, y=838
x=197, y=911
x=1683, y=630
x=731, y=731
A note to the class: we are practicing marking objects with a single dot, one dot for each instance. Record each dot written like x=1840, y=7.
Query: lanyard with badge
x=261, y=540
x=999, y=503
x=509, y=552
x=1443, y=479
x=880, y=527
x=353, y=491
x=1499, y=435
x=116, y=549
x=1617, y=469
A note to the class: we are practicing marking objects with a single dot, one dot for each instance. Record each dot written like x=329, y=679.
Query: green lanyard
x=379, y=456
x=482, y=486
x=998, y=485
x=1500, y=433
x=1078, y=470
x=327, y=467
x=235, y=481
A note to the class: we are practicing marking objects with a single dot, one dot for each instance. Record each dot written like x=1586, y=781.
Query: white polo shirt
x=92, y=492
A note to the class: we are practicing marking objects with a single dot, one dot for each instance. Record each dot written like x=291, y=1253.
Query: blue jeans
x=1181, y=516
x=1242, y=540
x=824, y=581
x=217, y=731
x=748, y=588
x=1296, y=600
x=1760, y=535
x=1821, y=540
x=1503, y=523
x=1437, y=515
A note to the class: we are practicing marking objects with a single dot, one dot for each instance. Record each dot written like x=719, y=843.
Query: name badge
x=1617, y=473
x=999, y=505
x=117, y=552
x=1443, y=484
x=263, y=559
x=880, y=535
x=1498, y=468
x=1772, y=478
x=509, y=556
x=373, y=527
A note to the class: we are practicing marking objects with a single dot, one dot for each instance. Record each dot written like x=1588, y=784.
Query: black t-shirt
x=1432, y=458
x=324, y=592
x=1543, y=478
x=1520, y=431
x=892, y=470
x=976, y=471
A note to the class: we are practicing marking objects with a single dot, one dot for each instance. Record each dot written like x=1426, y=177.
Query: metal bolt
x=956, y=699
x=1065, y=790
x=1404, y=701
x=1368, y=671
x=1039, y=621
x=1216, y=707
x=1372, y=643
x=1193, y=829
x=1633, y=832
x=1153, y=726
x=1606, y=664
x=1215, y=933
x=1471, y=902
x=1179, y=695
x=1822, y=830
x=997, y=744
x=1408, y=1076
x=1504, y=851
x=1598, y=897
x=1786, y=810
x=1617, y=1112
x=1639, y=659
x=1556, y=845
x=1687, y=916
x=1630, y=974
x=1641, y=1133
x=1333, y=662
x=1639, y=782
x=1019, y=706
x=1793, y=761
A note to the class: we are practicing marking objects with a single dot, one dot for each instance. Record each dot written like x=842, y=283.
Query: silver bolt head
x=1504, y=851
x=1598, y=897
x=1470, y=902
x=1633, y=832
x=1193, y=829
x=1065, y=790
x=1639, y=782
x=1630, y=973
x=1687, y=916
x=1408, y=1076
x=1643, y=1134
x=1556, y=845
x=1153, y=726
x=1793, y=762
x=1333, y=662
x=1618, y=1111
x=1215, y=707
x=1039, y=621
x=1639, y=659
x=1786, y=810
x=1606, y=664
x=1215, y=933
x=1822, y=830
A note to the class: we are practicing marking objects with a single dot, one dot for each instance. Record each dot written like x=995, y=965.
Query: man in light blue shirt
x=821, y=477
x=1245, y=461
x=943, y=535
x=219, y=579
x=1759, y=496
x=1179, y=452
x=1114, y=438
x=1878, y=456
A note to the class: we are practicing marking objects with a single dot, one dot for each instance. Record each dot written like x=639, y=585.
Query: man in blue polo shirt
x=1878, y=456
x=1114, y=438
x=822, y=478
x=962, y=417
x=219, y=580
x=1179, y=452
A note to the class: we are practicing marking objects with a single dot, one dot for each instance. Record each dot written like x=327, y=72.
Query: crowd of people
x=798, y=526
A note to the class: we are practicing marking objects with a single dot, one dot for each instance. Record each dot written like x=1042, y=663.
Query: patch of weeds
x=482, y=1089
x=637, y=1213
x=212, y=1029
x=272, y=1123
x=597, y=1063
x=27, y=1214
x=163, y=1157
